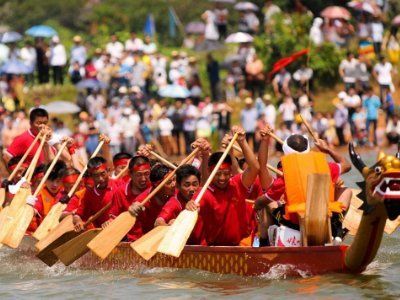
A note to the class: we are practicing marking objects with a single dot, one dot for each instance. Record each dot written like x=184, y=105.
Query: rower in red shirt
x=120, y=161
x=147, y=214
x=105, y=190
x=222, y=210
x=187, y=183
x=38, y=118
x=70, y=176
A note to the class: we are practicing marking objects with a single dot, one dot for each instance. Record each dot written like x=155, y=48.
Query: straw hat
x=123, y=90
x=248, y=101
x=174, y=53
x=267, y=97
x=77, y=39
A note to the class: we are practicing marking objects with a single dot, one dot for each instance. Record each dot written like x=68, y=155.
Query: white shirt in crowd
x=349, y=69
x=377, y=31
x=270, y=115
x=130, y=125
x=352, y=101
x=58, y=55
x=115, y=49
x=134, y=45
x=384, y=72
x=28, y=56
x=165, y=125
x=287, y=109
x=190, y=114
x=114, y=133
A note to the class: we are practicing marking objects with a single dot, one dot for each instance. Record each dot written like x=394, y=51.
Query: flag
x=150, y=26
x=172, y=23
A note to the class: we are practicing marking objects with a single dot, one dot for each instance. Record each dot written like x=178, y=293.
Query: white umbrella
x=239, y=37
x=174, y=91
x=246, y=6
x=62, y=107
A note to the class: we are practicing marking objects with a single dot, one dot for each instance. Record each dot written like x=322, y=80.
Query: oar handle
x=53, y=163
x=21, y=161
x=31, y=169
x=163, y=160
x=308, y=127
x=216, y=168
x=97, y=215
x=78, y=180
x=271, y=168
x=275, y=137
x=170, y=175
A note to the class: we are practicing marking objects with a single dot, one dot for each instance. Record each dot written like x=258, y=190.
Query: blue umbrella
x=41, y=31
x=174, y=91
x=91, y=84
x=10, y=37
x=15, y=67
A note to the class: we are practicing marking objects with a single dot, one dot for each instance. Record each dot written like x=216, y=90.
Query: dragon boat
x=380, y=193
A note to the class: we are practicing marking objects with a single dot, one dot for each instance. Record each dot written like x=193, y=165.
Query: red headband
x=141, y=167
x=102, y=167
x=70, y=178
x=224, y=166
x=121, y=162
x=24, y=165
x=38, y=175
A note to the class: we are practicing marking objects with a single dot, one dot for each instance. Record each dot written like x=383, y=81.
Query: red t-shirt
x=223, y=217
x=75, y=201
x=94, y=200
x=21, y=143
x=172, y=208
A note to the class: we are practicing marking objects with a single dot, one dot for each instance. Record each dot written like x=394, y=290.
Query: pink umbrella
x=396, y=21
x=365, y=7
x=336, y=12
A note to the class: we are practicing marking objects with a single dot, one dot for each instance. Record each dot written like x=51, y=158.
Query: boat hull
x=244, y=261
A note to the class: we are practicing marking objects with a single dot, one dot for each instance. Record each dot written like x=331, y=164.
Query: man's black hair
x=297, y=142
x=39, y=169
x=158, y=172
x=121, y=155
x=37, y=112
x=96, y=162
x=185, y=171
x=57, y=171
x=214, y=158
x=13, y=161
x=69, y=171
x=138, y=160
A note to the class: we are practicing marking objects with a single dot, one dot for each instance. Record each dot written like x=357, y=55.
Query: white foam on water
x=281, y=271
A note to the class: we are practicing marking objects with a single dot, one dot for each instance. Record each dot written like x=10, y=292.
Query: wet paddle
x=60, y=235
x=109, y=238
x=52, y=219
x=148, y=244
x=175, y=239
x=14, y=238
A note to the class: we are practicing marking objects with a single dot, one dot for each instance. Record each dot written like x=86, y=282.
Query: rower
x=222, y=210
x=69, y=177
x=13, y=186
x=274, y=198
x=187, y=183
x=105, y=190
x=147, y=214
x=120, y=161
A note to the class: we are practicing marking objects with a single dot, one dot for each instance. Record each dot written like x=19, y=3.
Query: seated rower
x=274, y=198
x=120, y=161
x=187, y=183
x=69, y=177
x=105, y=190
x=13, y=185
x=147, y=214
x=222, y=218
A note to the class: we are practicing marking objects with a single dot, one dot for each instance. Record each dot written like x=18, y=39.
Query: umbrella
x=396, y=21
x=239, y=37
x=62, y=107
x=336, y=12
x=283, y=62
x=224, y=1
x=195, y=28
x=246, y=6
x=10, y=37
x=365, y=7
x=41, y=31
x=174, y=91
x=91, y=84
x=15, y=67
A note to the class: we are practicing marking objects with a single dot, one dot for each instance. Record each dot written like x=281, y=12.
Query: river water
x=23, y=276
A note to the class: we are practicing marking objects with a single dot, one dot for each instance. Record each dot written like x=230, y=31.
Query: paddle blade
x=109, y=238
x=176, y=237
x=72, y=250
x=50, y=221
x=65, y=225
x=148, y=244
x=22, y=221
x=2, y=196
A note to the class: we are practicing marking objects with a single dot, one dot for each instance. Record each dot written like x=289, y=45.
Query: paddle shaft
x=31, y=168
x=21, y=161
x=78, y=181
x=53, y=163
x=216, y=168
x=271, y=168
x=308, y=127
x=275, y=137
x=170, y=175
x=163, y=160
x=97, y=215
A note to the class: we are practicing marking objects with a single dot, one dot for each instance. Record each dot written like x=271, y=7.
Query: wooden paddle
x=309, y=129
x=175, y=239
x=275, y=137
x=148, y=244
x=163, y=160
x=14, y=237
x=53, y=217
x=19, y=199
x=109, y=238
x=60, y=235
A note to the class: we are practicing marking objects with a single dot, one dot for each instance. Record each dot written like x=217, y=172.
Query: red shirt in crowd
x=172, y=208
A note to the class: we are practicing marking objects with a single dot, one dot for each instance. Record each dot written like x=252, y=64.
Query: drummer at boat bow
x=274, y=198
x=222, y=210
